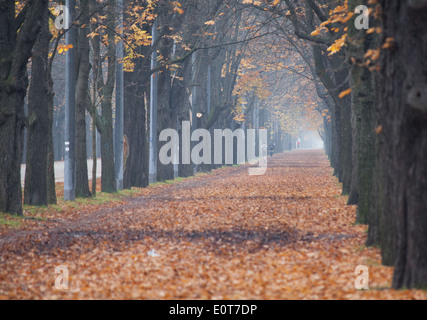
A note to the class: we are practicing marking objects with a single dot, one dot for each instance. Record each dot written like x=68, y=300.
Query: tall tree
x=104, y=122
x=403, y=120
x=38, y=121
x=18, y=33
x=82, y=100
x=136, y=94
x=166, y=19
x=359, y=43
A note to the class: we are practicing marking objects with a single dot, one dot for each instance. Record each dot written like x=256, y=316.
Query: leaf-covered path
x=226, y=235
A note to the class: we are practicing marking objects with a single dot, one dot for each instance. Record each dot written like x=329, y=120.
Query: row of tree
x=353, y=74
x=368, y=59
x=194, y=60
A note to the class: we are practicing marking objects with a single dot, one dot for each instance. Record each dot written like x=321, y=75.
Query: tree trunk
x=334, y=108
x=363, y=119
x=345, y=129
x=136, y=158
x=82, y=103
x=104, y=122
x=35, y=193
x=181, y=106
x=381, y=222
x=94, y=161
x=164, y=111
x=13, y=87
x=51, y=188
x=404, y=102
x=108, y=178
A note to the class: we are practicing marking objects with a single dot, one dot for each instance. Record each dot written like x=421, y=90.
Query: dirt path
x=285, y=235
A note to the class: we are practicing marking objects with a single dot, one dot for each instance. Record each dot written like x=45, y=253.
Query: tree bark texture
x=35, y=192
x=403, y=105
x=17, y=41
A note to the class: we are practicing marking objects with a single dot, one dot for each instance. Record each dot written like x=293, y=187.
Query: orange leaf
x=344, y=93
